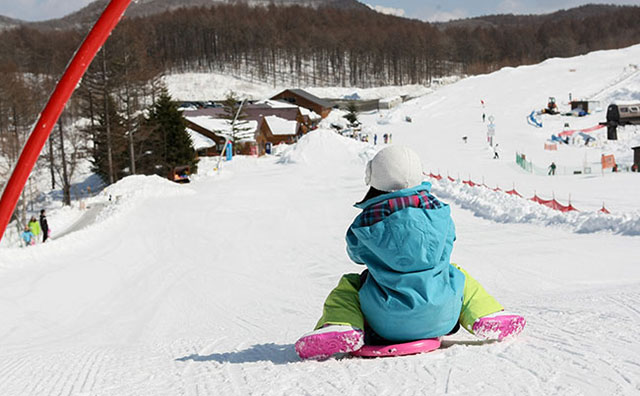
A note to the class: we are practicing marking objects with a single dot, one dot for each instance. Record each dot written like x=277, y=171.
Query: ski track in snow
x=192, y=335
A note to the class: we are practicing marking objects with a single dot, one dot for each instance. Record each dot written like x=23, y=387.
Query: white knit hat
x=394, y=168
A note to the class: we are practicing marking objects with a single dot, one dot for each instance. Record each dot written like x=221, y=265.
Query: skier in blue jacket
x=410, y=290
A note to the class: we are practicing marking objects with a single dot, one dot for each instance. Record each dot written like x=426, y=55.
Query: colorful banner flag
x=608, y=161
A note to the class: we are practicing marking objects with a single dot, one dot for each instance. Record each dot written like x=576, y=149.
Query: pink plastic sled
x=407, y=348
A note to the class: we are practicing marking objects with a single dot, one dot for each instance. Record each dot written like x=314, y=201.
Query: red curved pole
x=49, y=116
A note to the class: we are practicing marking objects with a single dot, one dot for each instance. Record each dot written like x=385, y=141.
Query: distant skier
x=552, y=169
x=464, y=139
x=495, y=152
x=483, y=116
x=44, y=225
x=411, y=290
x=385, y=138
x=375, y=139
x=390, y=138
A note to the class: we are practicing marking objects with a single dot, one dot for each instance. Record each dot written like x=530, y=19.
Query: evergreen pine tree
x=352, y=115
x=166, y=121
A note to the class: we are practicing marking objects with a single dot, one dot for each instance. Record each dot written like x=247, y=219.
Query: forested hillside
x=336, y=46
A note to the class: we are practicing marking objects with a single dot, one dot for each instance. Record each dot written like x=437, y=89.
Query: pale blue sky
x=428, y=10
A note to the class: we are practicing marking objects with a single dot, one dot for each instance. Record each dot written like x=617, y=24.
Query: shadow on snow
x=276, y=353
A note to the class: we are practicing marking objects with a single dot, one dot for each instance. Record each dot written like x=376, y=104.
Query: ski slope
x=202, y=289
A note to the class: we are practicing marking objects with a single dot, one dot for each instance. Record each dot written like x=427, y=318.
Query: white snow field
x=202, y=289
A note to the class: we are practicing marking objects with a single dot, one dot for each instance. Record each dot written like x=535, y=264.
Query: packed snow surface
x=203, y=288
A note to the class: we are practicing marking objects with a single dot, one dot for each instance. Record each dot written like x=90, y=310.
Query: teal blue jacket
x=412, y=292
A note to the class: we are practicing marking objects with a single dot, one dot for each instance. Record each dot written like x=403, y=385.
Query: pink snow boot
x=326, y=341
x=499, y=325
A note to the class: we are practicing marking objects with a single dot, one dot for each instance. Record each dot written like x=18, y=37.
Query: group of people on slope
x=386, y=138
x=34, y=228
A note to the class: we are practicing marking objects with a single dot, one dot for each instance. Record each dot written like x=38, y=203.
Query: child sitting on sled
x=410, y=290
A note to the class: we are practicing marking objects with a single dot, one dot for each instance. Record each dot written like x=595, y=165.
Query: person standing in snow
x=27, y=236
x=495, y=152
x=385, y=138
x=552, y=169
x=375, y=139
x=34, y=226
x=44, y=225
x=410, y=289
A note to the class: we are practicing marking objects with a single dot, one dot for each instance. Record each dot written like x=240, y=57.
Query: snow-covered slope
x=215, y=86
x=440, y=120
x=202, y=289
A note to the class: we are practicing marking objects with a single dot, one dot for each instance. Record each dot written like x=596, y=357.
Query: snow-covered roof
x=221, y=126
x=200, y=141
x=310, y=97
x=310, y=113
x=276, y=104
x=280, y=126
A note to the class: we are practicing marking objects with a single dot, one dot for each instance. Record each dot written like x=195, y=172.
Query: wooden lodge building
x=274, y=130
x=272, y=123
x=303, y=98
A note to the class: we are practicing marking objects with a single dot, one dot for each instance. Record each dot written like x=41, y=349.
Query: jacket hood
x=424, y=186
x=413, y=291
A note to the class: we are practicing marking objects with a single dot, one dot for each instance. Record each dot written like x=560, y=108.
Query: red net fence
x=550, y=203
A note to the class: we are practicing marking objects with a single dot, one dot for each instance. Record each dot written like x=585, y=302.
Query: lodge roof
x=306, y=95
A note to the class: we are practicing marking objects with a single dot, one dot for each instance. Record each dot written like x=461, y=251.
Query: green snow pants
x=342, y=306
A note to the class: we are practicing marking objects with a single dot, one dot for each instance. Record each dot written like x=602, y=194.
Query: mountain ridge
x=142, y=8
x=504, y=20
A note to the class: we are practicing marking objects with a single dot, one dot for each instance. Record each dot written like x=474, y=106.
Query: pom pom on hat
x=394, y=168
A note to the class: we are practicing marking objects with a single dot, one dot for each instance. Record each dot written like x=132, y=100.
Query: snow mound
x=503, y=208
x=139, y=186
x=624, y=94
x=392, y=117
x=324, y=147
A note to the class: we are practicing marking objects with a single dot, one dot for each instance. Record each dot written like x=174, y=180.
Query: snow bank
x=324, y=147
x=504, y=208
x=369, y=93
x=131, y=191
x=140, y=187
